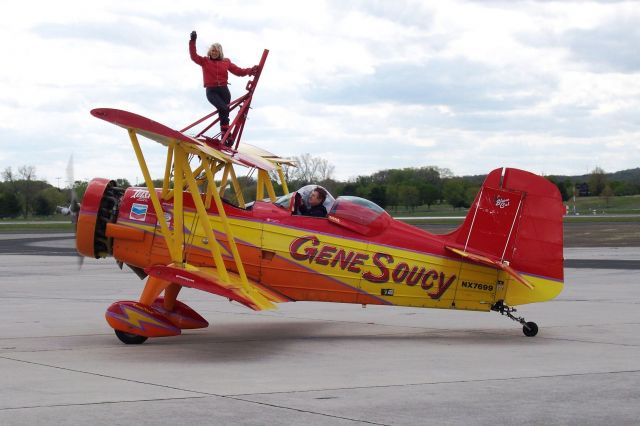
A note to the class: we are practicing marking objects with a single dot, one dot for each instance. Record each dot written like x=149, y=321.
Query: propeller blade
x=74, y=205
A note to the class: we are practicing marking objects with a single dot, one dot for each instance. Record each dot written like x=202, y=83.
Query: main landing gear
x=130, y=338
x=134, y=322
x=529, y=329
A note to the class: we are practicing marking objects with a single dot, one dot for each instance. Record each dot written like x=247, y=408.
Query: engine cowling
x=99, y=207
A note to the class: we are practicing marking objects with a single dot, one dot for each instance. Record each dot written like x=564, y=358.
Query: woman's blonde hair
x=218, y=47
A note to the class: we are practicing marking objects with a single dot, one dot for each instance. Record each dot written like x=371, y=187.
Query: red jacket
x=215, y=72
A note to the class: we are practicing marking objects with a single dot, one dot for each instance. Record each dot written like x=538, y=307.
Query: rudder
x=516, y=221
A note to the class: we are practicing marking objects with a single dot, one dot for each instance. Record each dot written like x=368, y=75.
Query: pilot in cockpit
x=316, y=203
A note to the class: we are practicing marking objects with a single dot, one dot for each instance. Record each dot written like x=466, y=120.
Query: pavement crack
x=305, y=411
x=125, y=401
x=106, y=376
x=443, y=382
x=200, y=393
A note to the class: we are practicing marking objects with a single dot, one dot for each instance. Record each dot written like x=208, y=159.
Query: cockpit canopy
x=359, y=215
x=304, y=192
x=354, y=213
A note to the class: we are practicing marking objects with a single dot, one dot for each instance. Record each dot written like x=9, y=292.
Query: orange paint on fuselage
x=316, y=259
x=293, y=269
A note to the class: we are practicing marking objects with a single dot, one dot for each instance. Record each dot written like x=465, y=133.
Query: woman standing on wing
x=215, y=73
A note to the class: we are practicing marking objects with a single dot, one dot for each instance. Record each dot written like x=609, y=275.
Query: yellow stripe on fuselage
x=397, y=276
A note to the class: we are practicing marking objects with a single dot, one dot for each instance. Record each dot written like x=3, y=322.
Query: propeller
x=74, y=205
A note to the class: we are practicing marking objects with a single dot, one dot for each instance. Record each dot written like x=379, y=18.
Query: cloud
x=547, y=86
x=120, y=32
x=459, y=84
x=608, y=48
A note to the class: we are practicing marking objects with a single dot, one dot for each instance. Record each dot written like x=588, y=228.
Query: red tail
x=516, y=218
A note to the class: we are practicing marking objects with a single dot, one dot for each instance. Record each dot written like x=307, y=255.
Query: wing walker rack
x=155, y=316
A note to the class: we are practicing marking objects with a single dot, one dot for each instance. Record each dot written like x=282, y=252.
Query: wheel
x=530, y=329
x=129, y=338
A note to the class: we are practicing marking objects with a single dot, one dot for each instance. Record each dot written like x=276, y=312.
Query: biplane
x=200, y=231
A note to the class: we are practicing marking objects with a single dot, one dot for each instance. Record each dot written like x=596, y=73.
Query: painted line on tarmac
x=602, y=264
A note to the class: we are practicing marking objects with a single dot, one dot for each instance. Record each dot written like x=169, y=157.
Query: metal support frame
x=236, y=128
x=264, y=181
x=202, y=213
x=175, y=254
x=528, y=328
x=283, y=181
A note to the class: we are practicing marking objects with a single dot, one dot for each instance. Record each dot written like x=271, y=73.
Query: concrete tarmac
x=313, y=363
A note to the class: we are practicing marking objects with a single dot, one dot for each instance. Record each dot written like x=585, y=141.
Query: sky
x=552, y=87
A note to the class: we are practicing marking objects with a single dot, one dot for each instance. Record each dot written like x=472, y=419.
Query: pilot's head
x=317, y=196
x=215, y=51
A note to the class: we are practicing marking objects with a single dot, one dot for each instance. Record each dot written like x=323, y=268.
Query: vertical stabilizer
x=516, y=222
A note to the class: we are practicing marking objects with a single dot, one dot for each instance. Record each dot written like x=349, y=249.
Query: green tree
x=607, y=193
x=409, y=196
x=157, y=183
x=79, y=187
x=9, y=204
x=378, y=194
x=454, y=193
x=26, y=188
x=124, y=183
x=330, y=185
x=623, y=188
x=46, y=200
x=429, y=194
x=597, y=181
x=350, y=188
x=391, y=195
x=470, y=193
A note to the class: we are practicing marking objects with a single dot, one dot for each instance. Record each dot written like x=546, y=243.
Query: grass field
x=583, y=206
x=49, y=223
x=613, y=205
x=6, y=226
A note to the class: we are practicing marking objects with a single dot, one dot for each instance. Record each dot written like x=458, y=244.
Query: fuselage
x=358, y=255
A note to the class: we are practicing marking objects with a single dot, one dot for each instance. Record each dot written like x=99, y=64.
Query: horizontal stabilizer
x=253, y=296
x=485, y=260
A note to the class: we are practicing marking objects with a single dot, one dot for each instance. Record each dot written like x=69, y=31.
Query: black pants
x=220, y=97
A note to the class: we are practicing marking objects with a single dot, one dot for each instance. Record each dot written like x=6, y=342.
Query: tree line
x=599, y=183
x=425, y=186
x=22, y=194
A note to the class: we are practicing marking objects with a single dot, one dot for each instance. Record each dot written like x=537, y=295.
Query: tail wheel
x=530, y=329
x=130, y=338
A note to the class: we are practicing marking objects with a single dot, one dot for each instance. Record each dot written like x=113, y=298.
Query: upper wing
x=263, y=153
x=166, y=135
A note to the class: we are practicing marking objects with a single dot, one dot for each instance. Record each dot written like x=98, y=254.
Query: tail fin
x=515, y=223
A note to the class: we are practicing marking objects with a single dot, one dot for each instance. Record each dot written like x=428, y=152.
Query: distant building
x=582, y=189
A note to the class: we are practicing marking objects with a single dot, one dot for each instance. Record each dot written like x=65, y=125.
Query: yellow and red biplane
x=508, y=251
